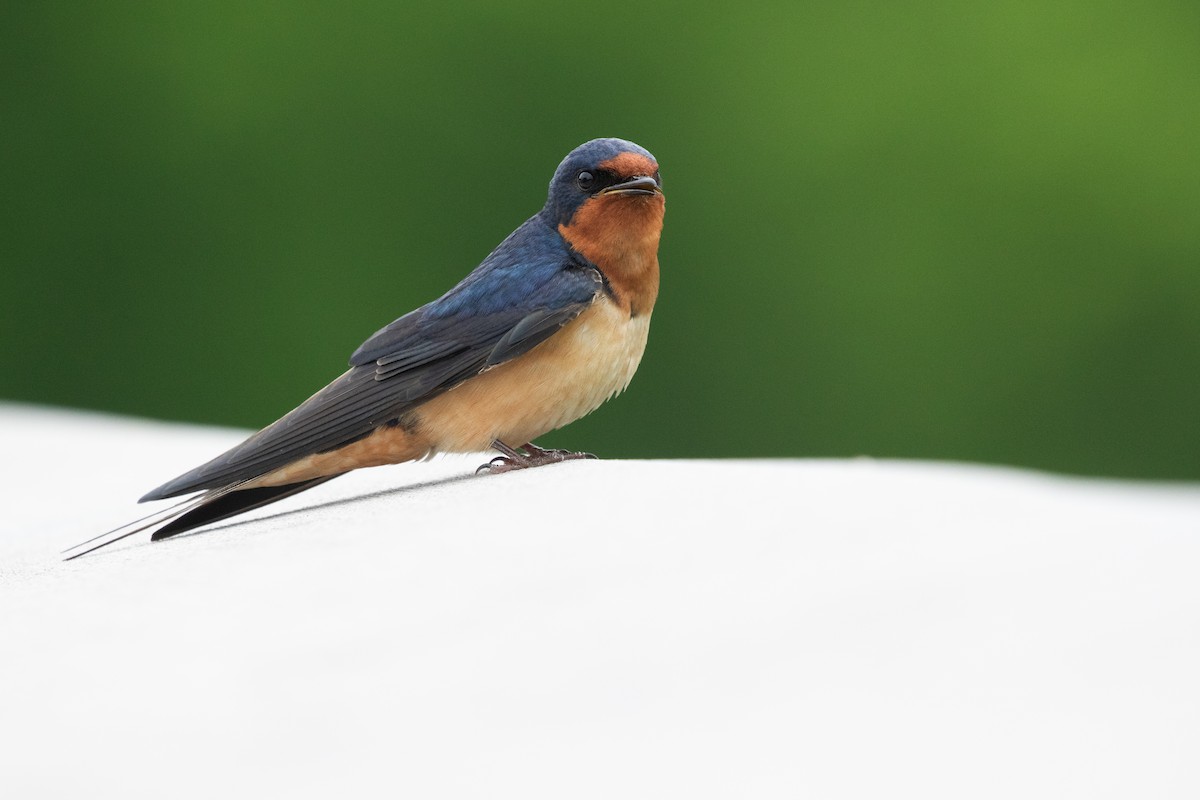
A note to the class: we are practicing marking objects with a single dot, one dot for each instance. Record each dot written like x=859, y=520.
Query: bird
x=550, y=325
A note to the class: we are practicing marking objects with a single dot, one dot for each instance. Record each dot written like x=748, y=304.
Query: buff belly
x=562, y=379
x=591, y=359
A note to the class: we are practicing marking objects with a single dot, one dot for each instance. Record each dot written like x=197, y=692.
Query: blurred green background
x=934, y=230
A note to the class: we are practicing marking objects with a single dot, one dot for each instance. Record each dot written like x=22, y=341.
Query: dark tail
x=231, y=504
x=212, y=506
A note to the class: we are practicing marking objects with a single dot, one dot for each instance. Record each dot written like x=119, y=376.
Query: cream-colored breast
x=569, y=375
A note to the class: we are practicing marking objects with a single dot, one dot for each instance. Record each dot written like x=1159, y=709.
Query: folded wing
x=414, y=359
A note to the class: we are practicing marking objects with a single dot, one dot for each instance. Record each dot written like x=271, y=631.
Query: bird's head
x=603, y=173
x=606, y=200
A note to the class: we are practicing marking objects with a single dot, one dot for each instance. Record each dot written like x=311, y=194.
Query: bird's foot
x=525, y=456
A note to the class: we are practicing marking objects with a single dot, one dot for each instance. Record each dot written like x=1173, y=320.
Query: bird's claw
x=497, y=464
x=528, y=455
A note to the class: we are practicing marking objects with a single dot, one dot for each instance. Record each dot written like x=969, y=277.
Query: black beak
x=642, y=184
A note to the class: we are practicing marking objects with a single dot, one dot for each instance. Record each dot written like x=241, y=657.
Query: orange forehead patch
x=626, y=165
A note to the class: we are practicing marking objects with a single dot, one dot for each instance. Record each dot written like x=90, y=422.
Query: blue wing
x=526, y=289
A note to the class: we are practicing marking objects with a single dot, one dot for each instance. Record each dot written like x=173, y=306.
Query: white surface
x=602, y=629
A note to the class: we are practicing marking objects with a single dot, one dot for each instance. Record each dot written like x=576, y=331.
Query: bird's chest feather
x=569, y=375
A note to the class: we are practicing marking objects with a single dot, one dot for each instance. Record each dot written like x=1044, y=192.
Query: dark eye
x=586, y=180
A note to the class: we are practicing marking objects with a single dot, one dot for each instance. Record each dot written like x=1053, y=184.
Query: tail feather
x=137, y=526
x=212, y=506
x=231, y=504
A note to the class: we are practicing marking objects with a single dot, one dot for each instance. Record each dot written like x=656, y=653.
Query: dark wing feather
x=533, y=327
x=407, y=363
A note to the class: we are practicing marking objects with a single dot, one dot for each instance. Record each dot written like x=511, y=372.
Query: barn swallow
x=550, y=325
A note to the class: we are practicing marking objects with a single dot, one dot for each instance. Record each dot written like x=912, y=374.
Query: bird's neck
x=619, y=234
